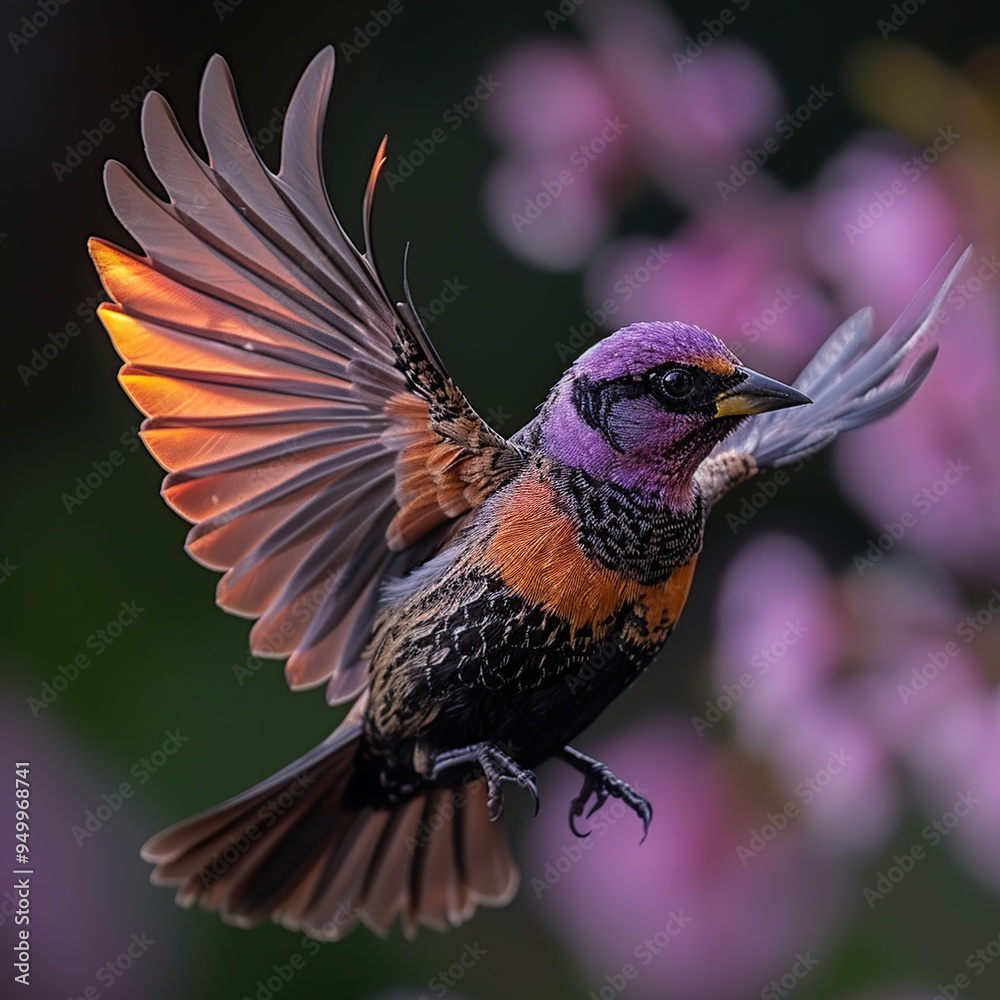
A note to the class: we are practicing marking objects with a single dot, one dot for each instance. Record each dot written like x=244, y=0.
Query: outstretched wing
x=849, y=386
x=309, y=428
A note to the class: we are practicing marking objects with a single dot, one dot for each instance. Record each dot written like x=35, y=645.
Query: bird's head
x=646, y=405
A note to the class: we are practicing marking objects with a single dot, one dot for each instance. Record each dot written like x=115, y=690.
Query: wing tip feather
x=369, y=199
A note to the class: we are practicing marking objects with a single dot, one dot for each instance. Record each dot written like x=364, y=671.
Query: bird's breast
x=540, y=553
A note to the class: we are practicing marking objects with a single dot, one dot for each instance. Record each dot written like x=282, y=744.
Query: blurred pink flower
x=879, y=666
x=692, y=116
x=756, y=910
x=549, y=199
x=552, y=98
x=737, y=272
x=782, y=642
x=581, y=126
x=902, y=618
x=546, y=221
x=878, y=225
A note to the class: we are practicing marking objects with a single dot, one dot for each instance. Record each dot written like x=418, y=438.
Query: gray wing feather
x=849, y=386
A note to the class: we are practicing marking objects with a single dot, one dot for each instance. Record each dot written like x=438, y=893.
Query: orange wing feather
x=308, y=426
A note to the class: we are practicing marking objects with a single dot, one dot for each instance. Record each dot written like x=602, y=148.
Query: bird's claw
x=602, y=783
x=497, y=767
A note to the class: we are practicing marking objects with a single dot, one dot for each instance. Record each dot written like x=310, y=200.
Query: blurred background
x=820, y=739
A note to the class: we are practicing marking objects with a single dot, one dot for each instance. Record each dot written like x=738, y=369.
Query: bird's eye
x=677, y=383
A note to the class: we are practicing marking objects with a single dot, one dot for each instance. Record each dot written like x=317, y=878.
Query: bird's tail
x=849, y=387
x=290, y=849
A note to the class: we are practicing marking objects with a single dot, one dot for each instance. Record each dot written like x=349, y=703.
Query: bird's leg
x=600, y=781
x=497, y=766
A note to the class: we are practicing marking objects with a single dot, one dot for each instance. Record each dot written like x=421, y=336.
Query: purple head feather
x=634, y=440
x=637, y=349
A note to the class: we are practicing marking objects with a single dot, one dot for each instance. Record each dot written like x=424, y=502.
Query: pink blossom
x=756, y=908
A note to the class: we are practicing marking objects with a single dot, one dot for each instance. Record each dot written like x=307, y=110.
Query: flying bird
x=393, y=546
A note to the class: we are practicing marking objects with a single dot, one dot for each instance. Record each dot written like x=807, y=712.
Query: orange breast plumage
x=536, y=551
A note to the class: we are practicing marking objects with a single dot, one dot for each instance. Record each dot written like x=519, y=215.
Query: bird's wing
x=309, y=428
x=850, y=386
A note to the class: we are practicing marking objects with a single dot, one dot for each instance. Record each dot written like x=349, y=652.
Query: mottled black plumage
x=628, y=531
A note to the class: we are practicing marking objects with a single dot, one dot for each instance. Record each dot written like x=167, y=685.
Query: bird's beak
x=756, y=394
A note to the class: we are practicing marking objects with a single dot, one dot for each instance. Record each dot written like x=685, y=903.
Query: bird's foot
x=497, y=766
x=601, y=782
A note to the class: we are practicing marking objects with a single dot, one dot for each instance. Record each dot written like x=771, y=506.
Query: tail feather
x=388, y=890
x=341, y=879
x=443, y=895
x=487, y=861
x=289, y=849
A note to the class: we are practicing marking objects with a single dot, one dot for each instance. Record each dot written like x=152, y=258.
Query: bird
x=453, y=586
